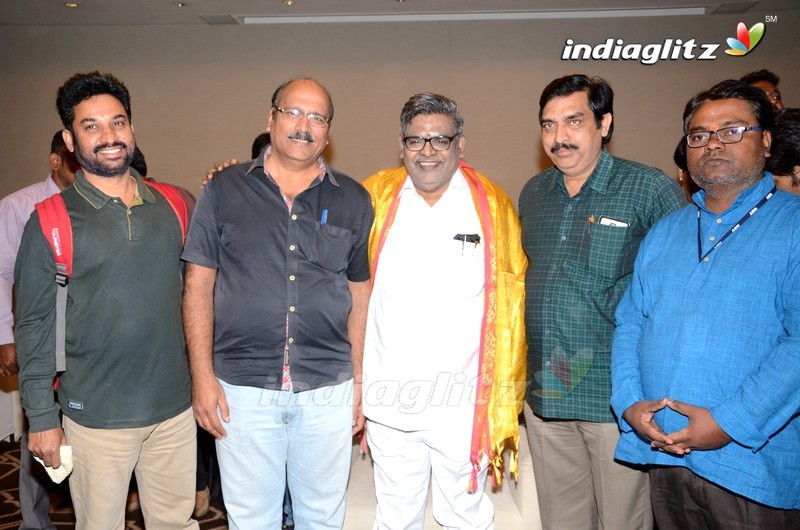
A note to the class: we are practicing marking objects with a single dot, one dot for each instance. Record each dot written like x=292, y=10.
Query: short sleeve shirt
x=272, y=263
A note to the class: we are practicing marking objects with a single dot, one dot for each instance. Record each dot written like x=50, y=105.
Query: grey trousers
x=34, y=490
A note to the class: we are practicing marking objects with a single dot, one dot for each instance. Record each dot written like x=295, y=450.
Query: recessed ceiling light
x=288, y=2
x=71, y=4
x=179, y=4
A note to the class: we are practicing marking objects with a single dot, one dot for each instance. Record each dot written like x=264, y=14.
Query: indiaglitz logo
x=669, y=49
x=746, y=39
x=616, y=49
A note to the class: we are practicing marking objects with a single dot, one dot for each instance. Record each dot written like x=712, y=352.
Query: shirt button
x=291, y=340
x=294, y=217
x=711, y=238
x=563, y=238
x=719, y=221
x=705, y=259
x=546, y=299
x=547, y=332
x=547, y=363
x=291, y=278
x=291, y=309
x=292, y=247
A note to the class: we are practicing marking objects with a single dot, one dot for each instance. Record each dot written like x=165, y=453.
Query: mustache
x=304, y=136
x=558, y=146
x=106, y=146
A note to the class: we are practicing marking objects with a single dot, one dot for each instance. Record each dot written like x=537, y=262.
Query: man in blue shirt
x=706, y=354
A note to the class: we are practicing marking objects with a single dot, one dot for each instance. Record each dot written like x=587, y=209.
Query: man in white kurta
x=426, y=323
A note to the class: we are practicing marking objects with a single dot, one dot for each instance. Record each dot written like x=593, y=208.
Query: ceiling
x=204, y=12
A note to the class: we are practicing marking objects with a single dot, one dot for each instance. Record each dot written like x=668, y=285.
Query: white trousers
x=405, y=461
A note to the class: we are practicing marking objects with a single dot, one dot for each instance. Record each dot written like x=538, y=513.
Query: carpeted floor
x=60, y=510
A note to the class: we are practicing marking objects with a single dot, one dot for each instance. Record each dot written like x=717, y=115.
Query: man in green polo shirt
x=582, y=222
x=126, y=392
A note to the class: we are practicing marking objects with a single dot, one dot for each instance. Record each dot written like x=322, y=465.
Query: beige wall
x=200, y=93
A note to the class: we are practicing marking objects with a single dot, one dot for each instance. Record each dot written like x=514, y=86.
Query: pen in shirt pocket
x=324, y=217
x=589, y=226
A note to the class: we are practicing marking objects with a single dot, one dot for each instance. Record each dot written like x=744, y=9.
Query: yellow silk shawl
x=500, y=391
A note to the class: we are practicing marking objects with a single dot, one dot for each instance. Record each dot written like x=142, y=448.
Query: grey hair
x=428, y=103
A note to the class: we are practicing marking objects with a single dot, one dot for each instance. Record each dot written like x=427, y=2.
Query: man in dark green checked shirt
x=582, y=222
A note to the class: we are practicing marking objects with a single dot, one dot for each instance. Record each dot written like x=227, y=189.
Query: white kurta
x=425, y=313
x=421, y=362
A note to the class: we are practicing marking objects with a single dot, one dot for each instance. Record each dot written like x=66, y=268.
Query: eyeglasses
x=726, y=135
x=295, y=115
x=439, y=143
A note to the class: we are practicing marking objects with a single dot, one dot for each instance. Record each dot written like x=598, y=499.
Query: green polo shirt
x=581, y=251
x=126, y=360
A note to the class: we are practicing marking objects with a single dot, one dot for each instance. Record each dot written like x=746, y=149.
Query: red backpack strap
x=57, y=230
x=175, y=200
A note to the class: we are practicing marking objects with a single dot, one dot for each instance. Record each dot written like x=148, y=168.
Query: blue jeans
x=273, y=435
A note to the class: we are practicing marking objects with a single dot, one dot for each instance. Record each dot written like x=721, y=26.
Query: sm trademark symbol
x=771, y=18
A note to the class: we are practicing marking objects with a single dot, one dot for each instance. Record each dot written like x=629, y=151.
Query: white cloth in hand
x=58, y=474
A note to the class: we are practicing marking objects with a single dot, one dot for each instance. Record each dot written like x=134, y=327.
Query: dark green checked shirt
x=579, y=267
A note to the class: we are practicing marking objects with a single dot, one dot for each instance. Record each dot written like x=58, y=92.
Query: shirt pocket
x=607, y=250
x=329, y=247
x=463, y=273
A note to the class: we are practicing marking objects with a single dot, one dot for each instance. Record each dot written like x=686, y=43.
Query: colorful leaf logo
x=745, y=39
x=564, y=372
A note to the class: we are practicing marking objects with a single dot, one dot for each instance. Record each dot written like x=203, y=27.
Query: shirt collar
x=746, y=198
x=324, y=169
x=50, y=185
x=98, y=199
x=599, y=178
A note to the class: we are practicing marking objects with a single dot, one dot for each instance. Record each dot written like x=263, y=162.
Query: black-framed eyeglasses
x=726, y=135
x=295, y=115
x=439, y=143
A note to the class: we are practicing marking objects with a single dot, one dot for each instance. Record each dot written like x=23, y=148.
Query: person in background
x=139, y=164
x=582, y=222
x=688, y=185
x=706, y=353
x=15, y=209
x=277, y=286
x=259, y=143
x=768, y=82
x=784, y=159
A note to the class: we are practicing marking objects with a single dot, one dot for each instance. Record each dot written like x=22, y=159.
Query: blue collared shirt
x=722, y=334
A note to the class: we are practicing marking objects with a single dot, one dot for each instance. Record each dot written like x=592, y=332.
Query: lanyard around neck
x=734, y=228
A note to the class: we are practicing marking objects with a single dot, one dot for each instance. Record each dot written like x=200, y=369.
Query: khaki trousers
x=579, y=484
x=164, y=458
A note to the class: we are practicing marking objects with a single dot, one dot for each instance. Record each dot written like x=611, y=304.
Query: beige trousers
x=164, y=458
x=579, y=484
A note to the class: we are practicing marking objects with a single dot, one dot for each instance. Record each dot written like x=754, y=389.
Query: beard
x=738, y=179
x=91, y=163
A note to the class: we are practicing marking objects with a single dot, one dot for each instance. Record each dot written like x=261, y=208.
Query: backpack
x=57, y=229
